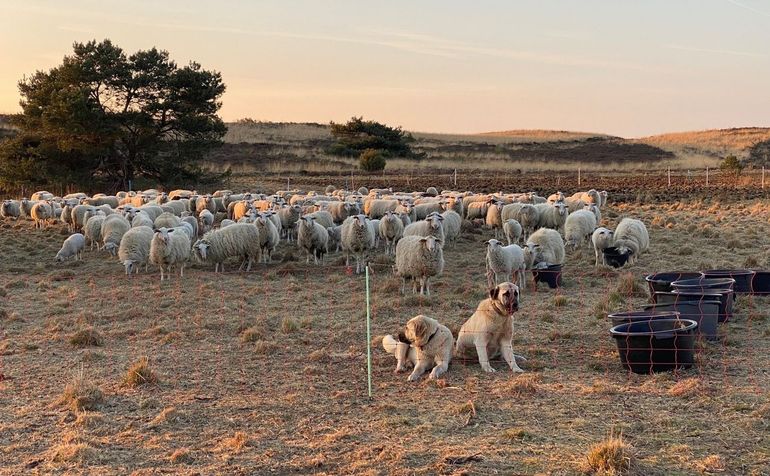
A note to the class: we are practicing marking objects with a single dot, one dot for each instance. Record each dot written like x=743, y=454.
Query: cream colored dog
x=489, y=331
x=424, y=343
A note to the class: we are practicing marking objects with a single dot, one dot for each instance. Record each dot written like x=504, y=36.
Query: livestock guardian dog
x=489, y=331
x=425, y=343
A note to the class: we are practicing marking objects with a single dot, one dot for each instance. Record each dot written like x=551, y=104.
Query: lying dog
x=424, y=343
x=489, y=331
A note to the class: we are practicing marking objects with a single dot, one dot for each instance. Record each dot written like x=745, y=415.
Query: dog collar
x=429, y=339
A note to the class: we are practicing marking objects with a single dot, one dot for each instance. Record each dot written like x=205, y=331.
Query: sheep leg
x=181, y=271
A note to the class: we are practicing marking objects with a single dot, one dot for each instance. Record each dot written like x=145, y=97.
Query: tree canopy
x=106, y=117
x=358, y=135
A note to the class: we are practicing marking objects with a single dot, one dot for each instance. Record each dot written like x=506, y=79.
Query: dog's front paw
x=413, y=378
x=517, y=370
x=488, y=368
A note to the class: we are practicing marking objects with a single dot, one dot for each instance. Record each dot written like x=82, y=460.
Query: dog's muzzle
x=402, y=338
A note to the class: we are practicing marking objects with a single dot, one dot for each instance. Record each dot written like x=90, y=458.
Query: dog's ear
x=419, y=328
x=494, y=292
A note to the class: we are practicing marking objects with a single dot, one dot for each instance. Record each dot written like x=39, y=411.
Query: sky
x=629, y=68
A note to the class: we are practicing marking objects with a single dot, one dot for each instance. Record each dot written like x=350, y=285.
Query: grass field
x=266, y=372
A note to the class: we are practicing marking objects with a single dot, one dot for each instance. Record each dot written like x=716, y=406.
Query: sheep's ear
x=423, y=239
x=494, y=292
x=487, y=242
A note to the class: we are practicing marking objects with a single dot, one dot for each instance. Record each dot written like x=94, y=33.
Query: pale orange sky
x=625, y=68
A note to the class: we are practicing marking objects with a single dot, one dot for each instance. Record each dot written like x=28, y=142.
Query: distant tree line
x=372, y=142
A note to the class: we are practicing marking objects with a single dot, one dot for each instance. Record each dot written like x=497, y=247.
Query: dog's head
x=418, y=330
x=506, y=295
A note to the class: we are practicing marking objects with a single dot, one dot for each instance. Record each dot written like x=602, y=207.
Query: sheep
x=268, y=235
x=603, y=195
x=66, y=216
x=10, y=209
x=276, y=220
x=205, y=203
x=141, y=218
x=545, y=247
x=25, y=207
x=431, y=226
x=323, y=218
x=313, y=238
x=112, y=201
x=78, y=215
x=494, y=217
x=551, y=215
x=134, y=250
x=238, y=210
x=404, y=217
x=452, y=225
x=391, y=230
x=193, y=222
x=76, y=196
x=601, y=240
x=289, y=216
x=177, y=194
x=357, y=238
x=113, y=229
x=72, y=246
x=556, y=197
x=167, y=220
x=339, y=211
x=42, y=195
x=237, y=240
x=455, y=203
x=169, y=247
x=422, y=210
x=377, y=208
x=524, y=213
x=374, y=226
x=154, y=211
x=176, y=207
x=93, y=230
x=224, y=223
x=512, y=231
x=593, y=208
x=578, y=228
x=431, y=192
x=205, y=221
x=187, y=229
x=574, y=205
x=631, y=238
x=591, y=196
x=42, y=212
x=507, y=262
x=419, y=258
x=335, y=239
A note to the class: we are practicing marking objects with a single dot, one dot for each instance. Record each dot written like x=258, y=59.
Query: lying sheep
x=134, y=250
x=169, y=248
x=551, y=215
x=239, y=240
x=601, y=240
x=431, y=226
x=313, y=238
x=357, y=239
x=506, y=262
x=268, y=235
x=578, y=228
x=545, y=247
x=113, y=229
x=631, y=238
x=419, y=258
x=525, y=214
x=512, y=230
x=391, y=230
x=72, y=246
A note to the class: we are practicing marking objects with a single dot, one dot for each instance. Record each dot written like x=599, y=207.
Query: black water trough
x=760, y=284
x=742, y=277
x=657, y=345
x=619, y=318
x=724, y=296
x=705, y=313
x=661, y=282
x=704, y=284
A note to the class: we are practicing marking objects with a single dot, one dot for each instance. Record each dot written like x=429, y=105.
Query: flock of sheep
x=168, y=230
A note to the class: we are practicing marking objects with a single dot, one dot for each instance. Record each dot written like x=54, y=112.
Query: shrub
x=371, y=160
x=731, y=164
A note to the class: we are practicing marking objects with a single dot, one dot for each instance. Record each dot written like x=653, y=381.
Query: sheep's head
x=111, y=248
x=162, y=234
x=201, y=249
x=129, y=265
x=59, y=257
x=435, y=220
x=561, y=207
x=492, y=244
x=431, y=243
x=531, y=254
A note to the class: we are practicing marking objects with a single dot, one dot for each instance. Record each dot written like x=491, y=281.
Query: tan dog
x=489, y=331
x=424, y=343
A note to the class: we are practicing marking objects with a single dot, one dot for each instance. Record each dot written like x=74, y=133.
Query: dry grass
x=88, y=337
x=73, y=453
x=688, y=387
x=612, y=456
x=182, y=456
x=234, y=444
x=140, y=373
x=81, y=394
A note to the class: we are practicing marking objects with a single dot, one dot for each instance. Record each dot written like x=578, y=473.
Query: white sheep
x=42, y=212
x=93, y=230
x=153, y=211
x=225, y=223
x=289, y=215
x=313, y=238
x=167, y=220
x=423, y=210
x=591, y=196
x=141, y=218
x=358, y=238
x=525, y=214
x=205, y=202
x=601, y=240
x=169, y=247
x=451, y=225
x=193, y=222
x=134, y=250
x=545, y=247
x=603, y=195
x=113, y=229
x=631, y=237
x=323, y=218
x=72, y=246
x=506, y=262
x=239, y=240
x=187, y=229
x=10, y=209
x=578, y=228
x=512, y=230
x=419, y=258
x=391, y=230
x=205, y=221
x=268, y=235
x=431, y=226
x=593, y=208
x=551, y=215
x=494, y=218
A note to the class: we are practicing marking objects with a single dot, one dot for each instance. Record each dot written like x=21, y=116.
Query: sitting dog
x=489, y=331
x=425, y=343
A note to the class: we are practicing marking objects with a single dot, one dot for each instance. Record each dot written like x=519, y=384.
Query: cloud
x=716, y=51
x=748, y=7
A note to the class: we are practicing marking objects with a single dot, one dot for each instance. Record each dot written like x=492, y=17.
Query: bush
x=731, y=164
x=371, y=160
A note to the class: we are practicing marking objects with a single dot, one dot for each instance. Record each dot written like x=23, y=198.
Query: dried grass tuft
x=81, y=394
x=609, y=457
x=140, y=373
x=88, y=337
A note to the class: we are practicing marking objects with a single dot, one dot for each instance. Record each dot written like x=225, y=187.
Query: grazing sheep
x=313, y=238
x=525, y=214
x=167, y=220
x=506, y=262
x=545, y=247
x=134, y=250
x=391, y=230
x=93, y=230
x=631, y=238
x=169, y=247
x=72, y=246
x=512, y=230
x=431, y=226
x=452, y=225
x=551, y=215
x=419, y=258
x=239, y=240
x=113, y=229
x=268, y=235
x=601, y=240
x=357, y=238
x=494, y=218
x=42, y=212
x=578, y=228
x=10, y=209
x=205, y=221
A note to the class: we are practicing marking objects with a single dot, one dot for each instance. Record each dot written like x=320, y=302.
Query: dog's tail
x=389, y=343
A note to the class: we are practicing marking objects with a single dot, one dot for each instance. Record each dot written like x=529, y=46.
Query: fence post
x=578, y=176
x=368, y=335
x=763, y=177
x=287, y=184
x=707, y=176
x=455, y=177
x=669, y=176
x=351, y=180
